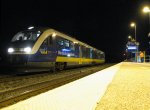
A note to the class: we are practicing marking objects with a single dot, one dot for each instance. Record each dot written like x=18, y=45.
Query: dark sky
x=102, y=24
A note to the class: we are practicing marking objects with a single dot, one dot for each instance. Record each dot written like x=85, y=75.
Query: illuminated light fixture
x=129, y=37
x=38, y=35
x=149, y=34
x=146, y=9
x=68, y=55
x=27, y=49
x=66, y=50
x=31, y=27
x=132, y=25
x=54, y=34
x=10, y=50
x=75, y=42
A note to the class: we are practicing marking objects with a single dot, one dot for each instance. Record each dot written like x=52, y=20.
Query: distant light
x=31, y=27
x=149, y=34
x=132, y=24
x=54, y=34
x=129, y=37
x=146, y=9
x=27, y=49
x=10, y=50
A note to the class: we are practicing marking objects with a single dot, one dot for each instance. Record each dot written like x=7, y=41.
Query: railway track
x=16, y=81
x=23, y=87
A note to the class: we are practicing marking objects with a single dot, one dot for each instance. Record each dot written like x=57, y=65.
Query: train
x=47, y=48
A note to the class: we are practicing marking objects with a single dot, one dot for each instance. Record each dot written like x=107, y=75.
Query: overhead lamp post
x=134, y=25
x=146, y=9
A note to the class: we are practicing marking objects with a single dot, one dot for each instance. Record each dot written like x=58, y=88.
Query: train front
x=20, y=48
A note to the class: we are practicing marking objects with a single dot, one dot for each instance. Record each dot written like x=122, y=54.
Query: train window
x=98, y=55
x=91, y=53
x=102, y=55
x=83, y=51
x=63, y=43
x=66, y=44
x=45, y=42
x=72, y=47
x=26, y=35
x=76, y=47
x=50, y=40
x=94, y=54
x=88, y=52
x=60, y=43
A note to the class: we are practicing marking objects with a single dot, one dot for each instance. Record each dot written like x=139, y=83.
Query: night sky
x=104, y=25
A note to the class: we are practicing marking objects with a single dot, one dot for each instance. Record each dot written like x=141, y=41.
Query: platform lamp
x=146, y=9
x=134, y=26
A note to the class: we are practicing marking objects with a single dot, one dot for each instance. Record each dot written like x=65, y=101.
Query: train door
x=52, y=53
x=76, y=50
x=91, y=53
x=48, y=50
x=80, y=51
x=45, y=55
x=80, y=54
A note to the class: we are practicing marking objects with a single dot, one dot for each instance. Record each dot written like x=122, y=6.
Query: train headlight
x=27, y=49
x=10, y=50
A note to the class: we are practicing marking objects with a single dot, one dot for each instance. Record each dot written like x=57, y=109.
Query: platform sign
x=132, y=47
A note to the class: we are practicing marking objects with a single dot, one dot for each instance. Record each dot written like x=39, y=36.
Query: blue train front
x=50, y=49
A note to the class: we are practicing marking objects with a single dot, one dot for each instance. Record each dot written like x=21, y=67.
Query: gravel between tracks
x=15, y=82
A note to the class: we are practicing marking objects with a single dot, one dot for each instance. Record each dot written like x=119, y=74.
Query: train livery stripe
x=80, y=60
x=50, y=32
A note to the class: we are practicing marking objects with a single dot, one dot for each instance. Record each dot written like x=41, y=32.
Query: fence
x=147, y=58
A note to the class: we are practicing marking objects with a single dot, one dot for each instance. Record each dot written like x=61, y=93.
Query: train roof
x=72, y=39
x=61, y=34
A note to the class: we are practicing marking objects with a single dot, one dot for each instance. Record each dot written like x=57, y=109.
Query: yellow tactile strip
x=129, y=90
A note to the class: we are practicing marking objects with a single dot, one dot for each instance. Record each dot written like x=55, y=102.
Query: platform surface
x=129, y=89
x=125, y=86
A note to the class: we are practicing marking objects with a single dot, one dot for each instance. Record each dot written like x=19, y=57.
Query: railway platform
x=124, y=86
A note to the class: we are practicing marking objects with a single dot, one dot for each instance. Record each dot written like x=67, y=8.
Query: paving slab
x=129, y=90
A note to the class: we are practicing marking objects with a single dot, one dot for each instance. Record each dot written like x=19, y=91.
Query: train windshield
x=26, y=36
